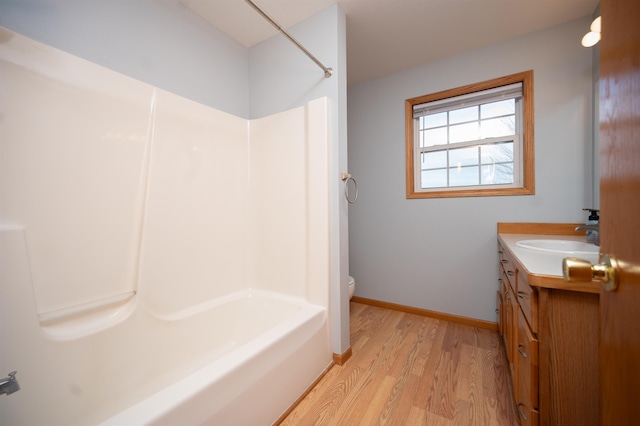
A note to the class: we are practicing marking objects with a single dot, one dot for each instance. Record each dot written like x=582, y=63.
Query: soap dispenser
x=594, y=219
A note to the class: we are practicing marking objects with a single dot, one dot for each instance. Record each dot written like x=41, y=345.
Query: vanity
x=549, y=326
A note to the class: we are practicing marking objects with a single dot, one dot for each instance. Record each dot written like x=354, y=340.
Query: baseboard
x=426, y=313
x=341, y=359
x=304, y=394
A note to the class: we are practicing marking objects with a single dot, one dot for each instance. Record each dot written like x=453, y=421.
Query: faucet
x=595, y=230
x=9, y=385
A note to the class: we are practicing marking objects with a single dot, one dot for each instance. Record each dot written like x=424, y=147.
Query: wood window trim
x=528, y=164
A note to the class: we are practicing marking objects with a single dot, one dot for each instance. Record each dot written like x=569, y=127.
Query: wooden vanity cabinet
x=506, y=294
x=551, y=340
x=527, y=377
x=520, y=351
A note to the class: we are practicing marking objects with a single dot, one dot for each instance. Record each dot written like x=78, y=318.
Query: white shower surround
x=110, y=186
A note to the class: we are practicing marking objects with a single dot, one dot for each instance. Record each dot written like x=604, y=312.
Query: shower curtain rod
x=327, y=71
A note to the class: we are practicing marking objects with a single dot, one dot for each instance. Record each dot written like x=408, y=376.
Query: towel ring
x=346, y=177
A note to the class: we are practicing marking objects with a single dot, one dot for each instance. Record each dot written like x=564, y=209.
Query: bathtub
x=275, y=350
x=239, y=359
x=192, y=286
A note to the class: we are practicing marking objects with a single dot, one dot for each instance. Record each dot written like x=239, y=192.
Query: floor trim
x=474, y=322
x=341, y=359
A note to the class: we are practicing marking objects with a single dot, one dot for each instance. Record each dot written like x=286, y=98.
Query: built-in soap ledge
x=73, y=322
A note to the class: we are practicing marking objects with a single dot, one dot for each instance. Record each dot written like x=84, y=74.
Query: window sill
x=453, y=193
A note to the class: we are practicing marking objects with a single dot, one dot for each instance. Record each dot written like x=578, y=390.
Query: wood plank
x=539, y=228
x=411, y=369
x=571, y=346
x=619, y=320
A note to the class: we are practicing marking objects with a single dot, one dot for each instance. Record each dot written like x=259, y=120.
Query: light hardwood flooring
x=408, y=369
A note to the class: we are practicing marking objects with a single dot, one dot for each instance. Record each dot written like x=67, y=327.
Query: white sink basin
x=559, y=246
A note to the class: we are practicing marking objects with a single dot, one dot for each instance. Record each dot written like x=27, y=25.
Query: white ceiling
x=387, y=36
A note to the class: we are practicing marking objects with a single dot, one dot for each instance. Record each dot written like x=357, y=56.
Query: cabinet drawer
x=501, y=251
x=500, y=311
x=508, y=266
x=509, y=330
x=527, y=365
x=506, y=287
x=528, y=300
x=509, y=271
x=510, y=284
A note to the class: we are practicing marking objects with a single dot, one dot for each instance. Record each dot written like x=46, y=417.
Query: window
x=472, y=141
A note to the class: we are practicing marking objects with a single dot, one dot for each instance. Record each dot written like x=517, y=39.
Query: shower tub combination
x=162, y=262
x=261, y=368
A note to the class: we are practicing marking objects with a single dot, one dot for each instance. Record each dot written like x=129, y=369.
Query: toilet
x=352, y=286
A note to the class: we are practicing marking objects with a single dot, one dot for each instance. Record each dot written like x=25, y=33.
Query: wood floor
x=412, y=370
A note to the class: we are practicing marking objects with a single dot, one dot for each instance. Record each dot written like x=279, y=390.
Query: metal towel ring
x=346, y=177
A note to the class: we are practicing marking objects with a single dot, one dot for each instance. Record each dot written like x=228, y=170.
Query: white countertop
x=538, y=262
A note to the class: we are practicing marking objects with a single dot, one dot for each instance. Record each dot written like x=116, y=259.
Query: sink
x=559, y=246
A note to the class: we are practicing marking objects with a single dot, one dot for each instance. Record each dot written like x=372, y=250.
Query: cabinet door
x=509, y=268
x=508, y=323
x=500, y=312
x=527, y=367
x=528, y=300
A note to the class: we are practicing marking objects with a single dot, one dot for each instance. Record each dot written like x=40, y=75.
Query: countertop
x=544, y=269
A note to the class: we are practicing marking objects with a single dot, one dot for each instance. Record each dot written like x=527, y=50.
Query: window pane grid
x=476, y=165
x=477, y=142
x=479, y=122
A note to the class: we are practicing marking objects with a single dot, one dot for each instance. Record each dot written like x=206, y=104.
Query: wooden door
x=620, y=210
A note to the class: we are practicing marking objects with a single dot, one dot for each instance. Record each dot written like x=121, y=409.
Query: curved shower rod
x=327, y=71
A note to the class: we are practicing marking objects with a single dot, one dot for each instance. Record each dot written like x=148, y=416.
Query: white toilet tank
x=352, y=286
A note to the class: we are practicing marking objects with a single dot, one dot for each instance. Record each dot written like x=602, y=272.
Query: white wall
x=165, y=44
x=440, y=254
x=73, y=145
x=196, y=206
x=282, y=77
x=289, y=199
x=124, y=187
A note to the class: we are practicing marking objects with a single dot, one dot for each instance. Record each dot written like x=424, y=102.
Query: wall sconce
x=592, y=37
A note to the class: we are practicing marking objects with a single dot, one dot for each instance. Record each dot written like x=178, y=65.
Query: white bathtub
x=275, y=350
x=123, y=296
x=241, y=359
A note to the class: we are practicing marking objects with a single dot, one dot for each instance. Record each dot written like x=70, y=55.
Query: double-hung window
x=475, y=140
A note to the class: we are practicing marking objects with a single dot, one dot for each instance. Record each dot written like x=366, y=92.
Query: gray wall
x=440, y=254
x=160, y=42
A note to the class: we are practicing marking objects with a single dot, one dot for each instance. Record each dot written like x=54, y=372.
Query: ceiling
x=387, y=36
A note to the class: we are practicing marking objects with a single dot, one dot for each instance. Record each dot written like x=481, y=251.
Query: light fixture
x=592, y=37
